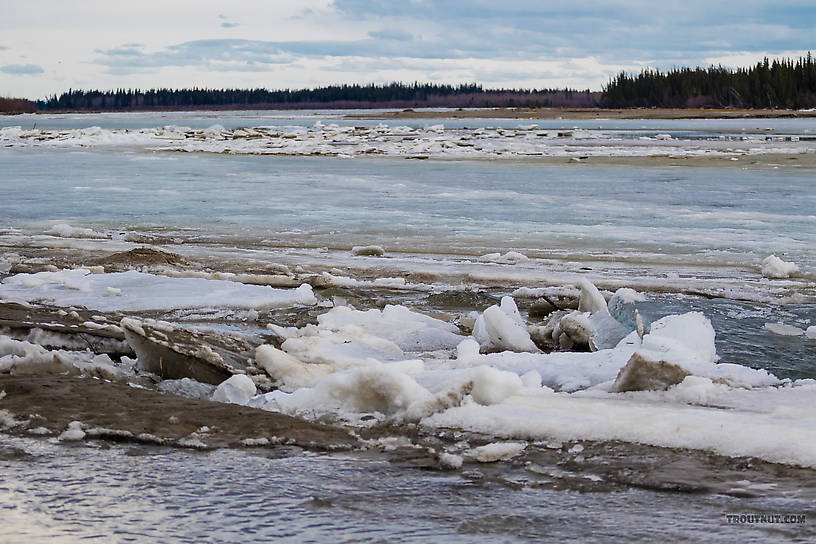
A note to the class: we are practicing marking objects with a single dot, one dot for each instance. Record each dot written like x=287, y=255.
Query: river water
x=103, y=493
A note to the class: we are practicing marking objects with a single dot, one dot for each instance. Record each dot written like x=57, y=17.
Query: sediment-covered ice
x=592, y=326
x=187, y=387
x=137, y=291
x=23, y=358
x=368, y=251
x=381, y=388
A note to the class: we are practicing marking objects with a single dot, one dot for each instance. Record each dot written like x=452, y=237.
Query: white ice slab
x=137, y=291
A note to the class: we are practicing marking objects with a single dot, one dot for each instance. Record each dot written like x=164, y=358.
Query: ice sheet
x=772, y=424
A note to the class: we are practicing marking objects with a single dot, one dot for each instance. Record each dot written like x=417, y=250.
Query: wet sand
x=586, y=113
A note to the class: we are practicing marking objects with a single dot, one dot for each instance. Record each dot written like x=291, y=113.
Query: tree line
x=339, y=96
x=16, y=105
x=773, y=84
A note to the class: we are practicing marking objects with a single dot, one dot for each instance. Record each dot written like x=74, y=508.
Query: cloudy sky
x=48, y=46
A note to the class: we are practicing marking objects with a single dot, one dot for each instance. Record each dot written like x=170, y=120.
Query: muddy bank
x=585, y=113
x=53, y=402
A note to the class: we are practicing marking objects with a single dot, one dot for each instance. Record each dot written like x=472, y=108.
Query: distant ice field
x=238, y=119
x=340, y=134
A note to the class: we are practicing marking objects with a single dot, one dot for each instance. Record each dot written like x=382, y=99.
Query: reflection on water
x=123, y=493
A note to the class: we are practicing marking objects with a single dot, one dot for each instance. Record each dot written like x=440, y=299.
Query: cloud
x=21, y=69
x=206, y=53
x=630, y=29
x=216, y=55
x=615, y=32
x=391, y=34
x=123, y=51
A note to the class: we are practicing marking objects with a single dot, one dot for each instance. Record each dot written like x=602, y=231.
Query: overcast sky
x=48, y=46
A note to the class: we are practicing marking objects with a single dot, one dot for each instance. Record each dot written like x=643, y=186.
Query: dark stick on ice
x=548, y=299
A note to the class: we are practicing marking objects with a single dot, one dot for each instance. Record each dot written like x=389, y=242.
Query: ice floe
x=24, y=358
x=370, y=251
x=784, y=330
x=501, y=328
x=136, y=291
x=776, y=268
x=511, y=257
x=65, y=230
x=497, y=451
x=237, y=389
x=73, y=433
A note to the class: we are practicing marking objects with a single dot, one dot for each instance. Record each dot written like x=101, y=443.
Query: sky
x=49, y=46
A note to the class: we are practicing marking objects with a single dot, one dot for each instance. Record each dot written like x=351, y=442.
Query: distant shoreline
x=502, y=113
x=590, y=113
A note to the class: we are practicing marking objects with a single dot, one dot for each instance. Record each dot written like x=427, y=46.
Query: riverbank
x=586, y=113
